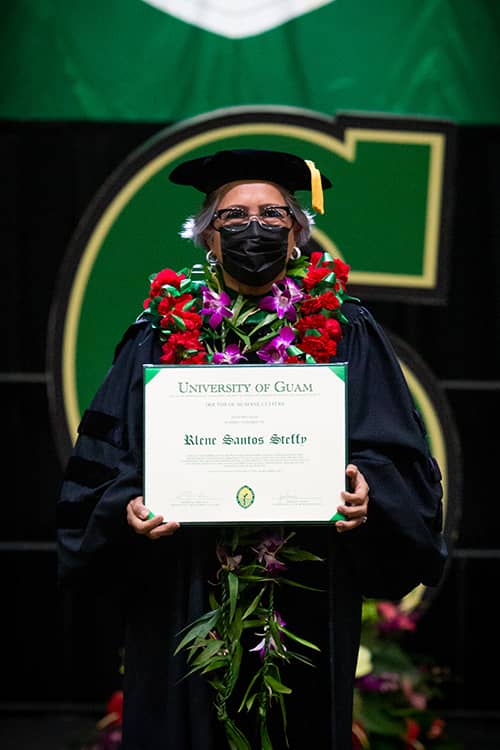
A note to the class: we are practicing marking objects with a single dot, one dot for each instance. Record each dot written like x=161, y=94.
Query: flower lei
x=199, y=322
x=299, y=321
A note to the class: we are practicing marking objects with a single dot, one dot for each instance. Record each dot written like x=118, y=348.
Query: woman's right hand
x=153, y=528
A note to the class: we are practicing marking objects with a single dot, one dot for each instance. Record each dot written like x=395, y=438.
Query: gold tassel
x=316, y=187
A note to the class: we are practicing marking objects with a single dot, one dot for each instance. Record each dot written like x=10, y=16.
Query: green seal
x=245, y=496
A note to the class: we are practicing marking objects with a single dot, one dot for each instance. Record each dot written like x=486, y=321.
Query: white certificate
x=237, y=444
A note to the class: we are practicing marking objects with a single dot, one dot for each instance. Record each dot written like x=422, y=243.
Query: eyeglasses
x=237, y=219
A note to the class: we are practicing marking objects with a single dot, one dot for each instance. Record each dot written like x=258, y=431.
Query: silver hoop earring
x=296, y=253
x=211, y=259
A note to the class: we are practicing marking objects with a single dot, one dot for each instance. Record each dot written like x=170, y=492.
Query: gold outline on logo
x=346, y=149
x=245, y=487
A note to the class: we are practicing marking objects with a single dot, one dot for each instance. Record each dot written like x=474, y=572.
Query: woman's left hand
x=355, y=508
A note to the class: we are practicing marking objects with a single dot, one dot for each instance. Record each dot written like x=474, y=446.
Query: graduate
x=253, y=236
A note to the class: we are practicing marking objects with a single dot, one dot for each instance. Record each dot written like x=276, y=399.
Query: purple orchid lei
x=242, y=610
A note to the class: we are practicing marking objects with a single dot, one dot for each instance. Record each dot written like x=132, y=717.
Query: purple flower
x=276, y=350
x=261, y=646
x=266, y=553
x=229, y=356
x=230, y=562
x=284, y=294
x=385, y=682
x=215, y=305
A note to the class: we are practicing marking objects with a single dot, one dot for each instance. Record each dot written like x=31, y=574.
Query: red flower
x=191, y=320
x=333, y=329
x=319, y=270
x=436, y=729
x=183, y=348
x=310, y=306
x=341, y=271
x=316, y=258
x=168, y=303
x=328, y=326
x=316, y=321
x=314, y=276
x=411, y=736
x=166, y=276
x=114, y=707
x=321, y=348
x=329, y=301
x=197, y=359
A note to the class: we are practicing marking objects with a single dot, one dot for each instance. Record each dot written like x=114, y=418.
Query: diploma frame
x=245, y=444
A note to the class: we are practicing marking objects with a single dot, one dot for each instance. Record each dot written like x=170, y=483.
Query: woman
x=389, y=539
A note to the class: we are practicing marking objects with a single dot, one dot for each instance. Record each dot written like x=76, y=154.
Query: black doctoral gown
x=165, y=582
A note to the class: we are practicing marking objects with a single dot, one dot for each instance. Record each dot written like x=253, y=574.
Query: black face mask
x=254, y=256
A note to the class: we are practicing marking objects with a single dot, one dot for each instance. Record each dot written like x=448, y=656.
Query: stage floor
x=68, y=731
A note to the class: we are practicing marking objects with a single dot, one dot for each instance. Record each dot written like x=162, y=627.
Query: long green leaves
x=241, y=644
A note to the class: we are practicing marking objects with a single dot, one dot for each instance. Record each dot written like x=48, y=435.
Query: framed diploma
x=237, y=444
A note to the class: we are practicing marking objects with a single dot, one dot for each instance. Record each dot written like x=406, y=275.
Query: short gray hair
x=194, y=227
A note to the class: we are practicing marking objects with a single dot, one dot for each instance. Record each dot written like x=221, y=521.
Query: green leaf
x=260, y=623
x=253, y=606
x=265, y=740
x=253, y=578
x=348, y=298
x=276, y=686
x=295, y=656
x=297, y=555
x=299, y=585
x=212, y=600
x=189, y=304
x=180, y=323
x=233, y=584
x=250, y=701
x=237, y=307
x=328, y=280
x=199, y=629
x=215, y=664
x=377, y=719
x=235, y=738
x=389, y=657
x=281, y=701
x=209, y=649
x=236, y=627
x=239, y=333
x=249, y=688
x=235, y=666
x=275, y=632
x=296, y=638
x=171, y=290
x=268, y=319
x=247, y=314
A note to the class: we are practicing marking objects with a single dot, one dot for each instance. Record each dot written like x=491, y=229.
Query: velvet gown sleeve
x=104, y=471
x=401, y=545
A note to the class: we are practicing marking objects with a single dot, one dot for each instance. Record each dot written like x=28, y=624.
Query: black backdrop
x=58, y=652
